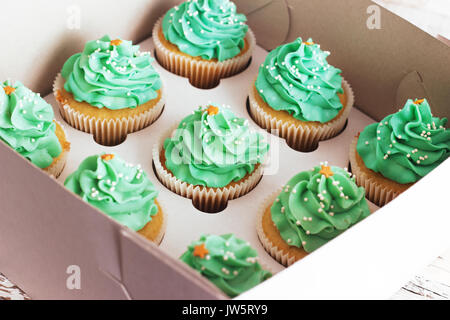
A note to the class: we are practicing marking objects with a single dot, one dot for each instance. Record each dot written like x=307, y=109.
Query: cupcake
x=389, y=157
x=122, y=191
x=204, y=40
x=212, y=157
x=228, y=262
x=314, y=207
x=109, y=90
x=302, y=96
x=27, y=125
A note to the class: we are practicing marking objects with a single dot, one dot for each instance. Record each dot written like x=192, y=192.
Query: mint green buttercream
x=210, y=29
x=296, y=78
x=27, y=126
x=231, y=264
x=407, y=145
x=313, y=209
x=213, y=150
x=119, y=189
x=111, y=76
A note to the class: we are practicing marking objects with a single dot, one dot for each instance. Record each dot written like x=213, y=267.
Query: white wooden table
x=433, y=282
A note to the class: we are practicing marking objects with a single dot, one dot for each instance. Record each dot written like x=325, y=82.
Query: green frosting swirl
x=313, y=209
x=111, y=76
x=210, y=29
x=296, y=78
x=407, y=145
x=213, y=150
x=119, y=189
x=27, y=126
x=231, y=264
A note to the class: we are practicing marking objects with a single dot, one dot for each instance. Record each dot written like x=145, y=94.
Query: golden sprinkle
x=116, y=42
x=308, y=43
x=326, y=171
x=107, y=157
x=212, y=111
x=9, y=90
x=419, y=101
x=200, y=251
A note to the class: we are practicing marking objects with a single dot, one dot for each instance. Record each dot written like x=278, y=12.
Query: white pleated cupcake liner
x=204, y=198
x=278, y=254
x=302, y=137
x=202, y=74
x=106, y=132
x=56, y=168
x=375, y=192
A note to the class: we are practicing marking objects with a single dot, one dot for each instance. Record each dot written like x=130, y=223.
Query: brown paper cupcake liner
x=57, y=167
x=278, y=254
x=303, y=137
x=204, y=198
x=201, y=73
x=106, y=132
x=375, y=191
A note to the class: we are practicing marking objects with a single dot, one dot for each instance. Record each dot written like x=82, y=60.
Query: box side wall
x=40, y=35
x=376, y=61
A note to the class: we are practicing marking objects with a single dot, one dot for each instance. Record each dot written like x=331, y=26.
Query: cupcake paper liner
x=56, y=168
x=304, y=137
x=278, y=254
x=375, y=192
x=202, y=74
x=106, y=132
x=204, y=198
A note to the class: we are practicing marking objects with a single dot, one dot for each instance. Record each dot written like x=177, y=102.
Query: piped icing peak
x=26, y=124
x=316, y=206
x=407, y=145
x=213, y=147
x=111, y=74
x=210, y=29
x=119, y=189
x=297, y=78
x=228, y=262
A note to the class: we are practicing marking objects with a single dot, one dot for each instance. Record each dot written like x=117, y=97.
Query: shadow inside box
x=303, y=150
x=211, y=86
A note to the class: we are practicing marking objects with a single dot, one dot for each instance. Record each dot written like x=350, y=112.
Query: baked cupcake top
x=119, y=189
x=213, y=147
x=316, y=206
x=210, y=29
x=111, y=74
x=26, y=124
x=228, y=262
x=296, y=78
x=407, y=145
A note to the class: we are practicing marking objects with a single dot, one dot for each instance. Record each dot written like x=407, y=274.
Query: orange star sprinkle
x=419, y=101
x=212, y=111
x=200, y=251
x=308, y=43
x=116, y=42
x=107, y=157
x=9, y=90
x=326, y=171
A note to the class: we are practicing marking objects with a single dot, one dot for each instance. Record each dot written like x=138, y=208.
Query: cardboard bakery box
x=55, y=246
